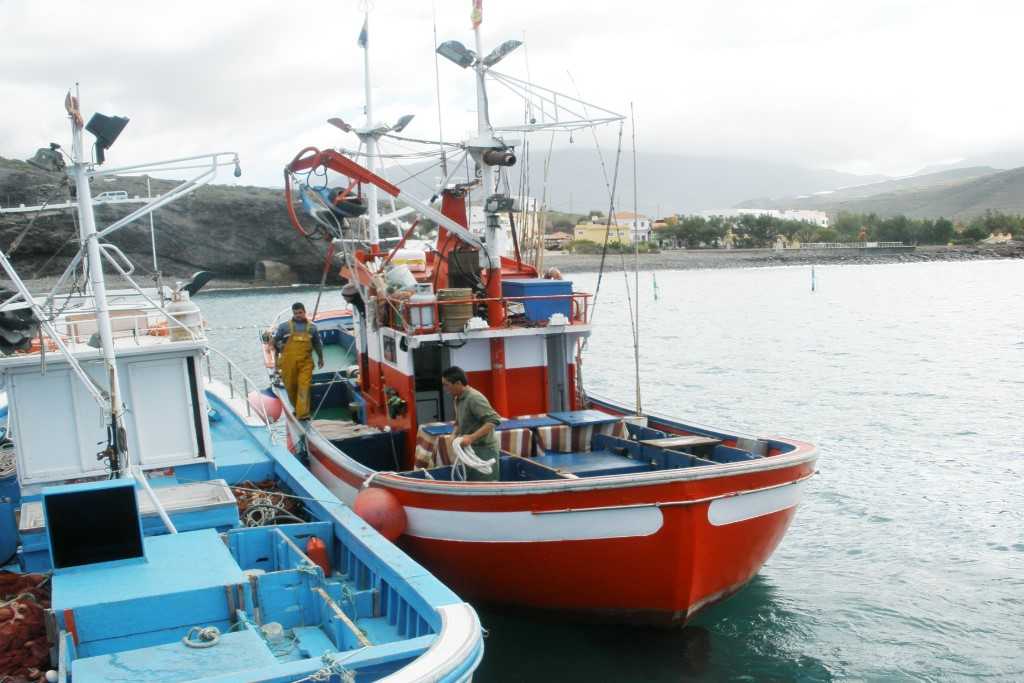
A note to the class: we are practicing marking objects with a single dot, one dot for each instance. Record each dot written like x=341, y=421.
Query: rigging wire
x=611, y=209
x=21, y=235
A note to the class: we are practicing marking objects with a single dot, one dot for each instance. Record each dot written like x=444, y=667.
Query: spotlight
x=499, y=157
x=402, y=123
x=106, y=129
x=499, y=53
x=456, y=52
x=47, y=159
x=238, y=169
x=338, y=123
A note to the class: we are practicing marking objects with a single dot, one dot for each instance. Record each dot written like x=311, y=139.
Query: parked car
x=107, y=196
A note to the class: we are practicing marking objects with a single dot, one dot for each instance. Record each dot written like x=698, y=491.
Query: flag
x=362, y=34
x=478, y=13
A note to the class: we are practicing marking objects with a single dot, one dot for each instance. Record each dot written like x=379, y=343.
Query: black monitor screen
x=93, y=525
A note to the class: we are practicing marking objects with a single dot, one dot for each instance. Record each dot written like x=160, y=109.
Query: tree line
x=754, y=231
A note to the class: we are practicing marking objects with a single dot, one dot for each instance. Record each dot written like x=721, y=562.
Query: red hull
x=625, y=548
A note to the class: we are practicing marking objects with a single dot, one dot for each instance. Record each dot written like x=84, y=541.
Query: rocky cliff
x=224, y=229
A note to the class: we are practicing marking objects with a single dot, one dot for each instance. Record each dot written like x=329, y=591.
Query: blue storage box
x=541, y=309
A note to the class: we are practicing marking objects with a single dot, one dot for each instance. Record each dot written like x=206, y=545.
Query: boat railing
x=236, y=386
x=424, y=317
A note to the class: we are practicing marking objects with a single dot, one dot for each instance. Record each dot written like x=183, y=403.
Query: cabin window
x=390, y=350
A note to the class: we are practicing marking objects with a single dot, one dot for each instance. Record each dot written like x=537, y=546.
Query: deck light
x=338, y=123
x=402, y=123
x=499, y=53
x=456, y=52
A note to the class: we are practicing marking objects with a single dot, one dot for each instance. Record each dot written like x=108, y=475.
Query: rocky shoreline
x=676, y=259
x=696, y=259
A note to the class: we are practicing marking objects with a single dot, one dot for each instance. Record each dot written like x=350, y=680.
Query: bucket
x=454, y=316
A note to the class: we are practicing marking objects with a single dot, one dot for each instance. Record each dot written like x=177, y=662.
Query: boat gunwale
x=802, y=454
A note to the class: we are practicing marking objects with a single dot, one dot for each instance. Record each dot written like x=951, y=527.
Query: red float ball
x=382, y=511
x=264, y=404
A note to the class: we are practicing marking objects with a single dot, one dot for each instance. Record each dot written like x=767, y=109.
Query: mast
x=371, y=139
x=90, y=239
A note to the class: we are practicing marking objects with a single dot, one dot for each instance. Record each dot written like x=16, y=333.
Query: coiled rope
x=207, y=636
x=466, y=457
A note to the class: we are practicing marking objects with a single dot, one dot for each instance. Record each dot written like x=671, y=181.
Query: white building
x=639, y=225
x=819, y=218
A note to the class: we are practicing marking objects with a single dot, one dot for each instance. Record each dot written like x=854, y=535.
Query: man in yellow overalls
x=294, y=341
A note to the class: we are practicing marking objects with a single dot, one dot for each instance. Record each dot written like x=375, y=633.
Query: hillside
x=677, y=183
x=225, y=229
x=960, y=199
x=668, y=183
x=828, y=200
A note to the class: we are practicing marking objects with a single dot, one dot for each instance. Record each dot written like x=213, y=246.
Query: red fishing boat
x=598, y=511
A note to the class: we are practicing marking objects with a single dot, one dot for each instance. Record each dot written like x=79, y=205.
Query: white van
x=107, y=196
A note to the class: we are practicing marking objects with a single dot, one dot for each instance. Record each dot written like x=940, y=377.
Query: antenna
x=437, y=91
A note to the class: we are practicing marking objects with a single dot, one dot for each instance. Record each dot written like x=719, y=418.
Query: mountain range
x=958, y=193
x=673, y=183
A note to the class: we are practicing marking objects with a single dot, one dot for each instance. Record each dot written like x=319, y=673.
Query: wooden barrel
x=454, y=316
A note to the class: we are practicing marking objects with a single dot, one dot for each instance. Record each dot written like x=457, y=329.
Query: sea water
x=905, y=561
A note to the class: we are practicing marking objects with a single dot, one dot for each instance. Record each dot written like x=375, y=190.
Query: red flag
x=478, y=13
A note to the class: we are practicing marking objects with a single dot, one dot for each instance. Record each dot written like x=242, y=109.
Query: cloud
x=867, y=85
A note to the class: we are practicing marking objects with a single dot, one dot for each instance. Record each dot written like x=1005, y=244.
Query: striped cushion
x=557, y=438
x=428, y=447
x=517, y=442
x=566, y=439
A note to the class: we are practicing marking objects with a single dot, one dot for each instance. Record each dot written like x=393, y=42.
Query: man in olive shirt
x=475, y=421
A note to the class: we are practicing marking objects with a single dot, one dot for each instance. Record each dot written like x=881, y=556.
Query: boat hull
x=650, y=548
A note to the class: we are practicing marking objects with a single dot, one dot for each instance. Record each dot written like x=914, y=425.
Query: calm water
x=906, y=559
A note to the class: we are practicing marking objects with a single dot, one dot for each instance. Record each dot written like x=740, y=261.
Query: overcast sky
x=867, y=86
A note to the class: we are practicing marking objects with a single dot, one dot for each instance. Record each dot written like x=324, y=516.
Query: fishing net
x=24, y=650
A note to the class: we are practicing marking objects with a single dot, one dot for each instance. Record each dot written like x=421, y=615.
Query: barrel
x=454, y=316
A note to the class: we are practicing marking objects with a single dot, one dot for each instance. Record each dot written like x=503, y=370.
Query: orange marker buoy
x=317, y=551
x=265, y=403
x=382, y=511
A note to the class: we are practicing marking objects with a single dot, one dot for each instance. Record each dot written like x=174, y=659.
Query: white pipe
x=140, y=477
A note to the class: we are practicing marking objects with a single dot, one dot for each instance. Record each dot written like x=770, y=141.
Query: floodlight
x=402, y=123
x=238, y=168
x=499, y=53
x=456, y=52
x=47, y=159
x=106, y=129
x=338, y=123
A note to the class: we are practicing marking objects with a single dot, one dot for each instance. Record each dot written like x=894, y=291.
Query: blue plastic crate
x=541, y=309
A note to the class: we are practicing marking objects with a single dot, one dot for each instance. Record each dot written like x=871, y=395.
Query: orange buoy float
x=316, y=550
x=266, y=404
x=382, y=511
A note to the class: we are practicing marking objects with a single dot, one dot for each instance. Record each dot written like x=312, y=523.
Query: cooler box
x=541, y=309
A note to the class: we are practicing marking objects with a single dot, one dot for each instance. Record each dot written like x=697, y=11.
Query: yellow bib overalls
x=295, y=363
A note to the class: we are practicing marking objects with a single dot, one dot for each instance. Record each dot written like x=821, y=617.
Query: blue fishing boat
x=152, y=527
